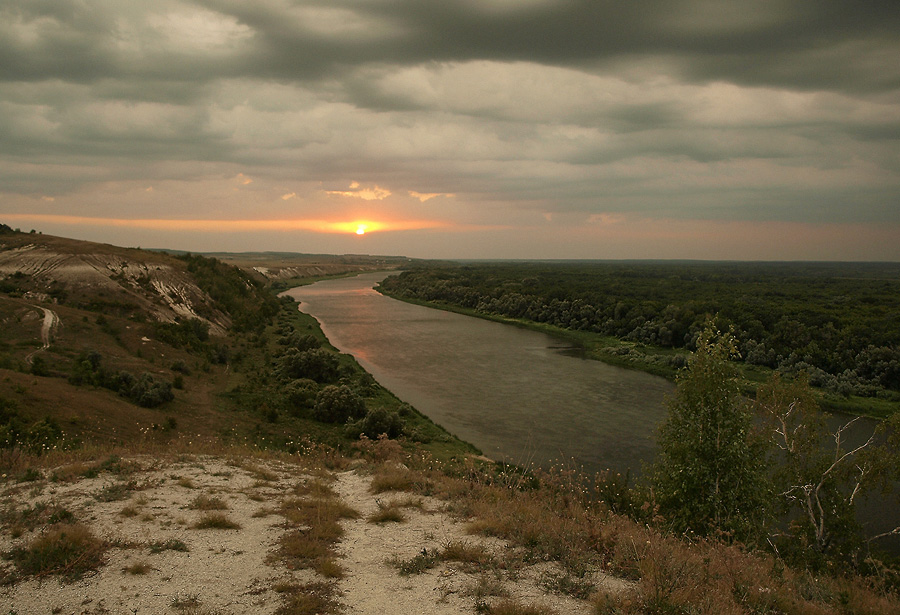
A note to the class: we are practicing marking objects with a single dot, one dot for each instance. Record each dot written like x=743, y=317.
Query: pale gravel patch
x=225, y=570
x=373, y=587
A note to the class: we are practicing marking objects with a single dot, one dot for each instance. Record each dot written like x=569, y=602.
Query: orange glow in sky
x=359, y=227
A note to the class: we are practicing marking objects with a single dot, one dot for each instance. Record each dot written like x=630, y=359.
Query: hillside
x=175, y=438
x=103, y=278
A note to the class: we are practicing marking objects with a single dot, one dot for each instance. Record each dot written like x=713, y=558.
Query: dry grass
x=18, y=521
x=314, y=489
x=508, y=606
x=550, y=518
x=465, y=552
x=185, y=482
x=547, y=520
x=312, y=545
x=418, y=564
x=205, y=502
x=138, y=568
x=216, y=521
x=171, y=544
x=309, y=599
x=387, y=514
x=396, y=477
x=485, y=586
x=65, y=549
x=261, y=474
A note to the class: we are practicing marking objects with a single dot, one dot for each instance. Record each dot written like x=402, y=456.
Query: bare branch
x=893, y=532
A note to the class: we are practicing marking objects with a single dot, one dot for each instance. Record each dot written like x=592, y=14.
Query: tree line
x=838, y=323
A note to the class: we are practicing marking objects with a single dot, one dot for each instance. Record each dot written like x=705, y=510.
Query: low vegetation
x=68, y=549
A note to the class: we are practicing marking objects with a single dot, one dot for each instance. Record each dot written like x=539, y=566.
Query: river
x=516, y=394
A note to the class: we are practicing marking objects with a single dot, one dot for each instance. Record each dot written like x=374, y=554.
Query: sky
x=698, y=129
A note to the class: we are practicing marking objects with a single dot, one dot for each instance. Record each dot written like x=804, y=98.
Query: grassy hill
x=144, y=344
x=140, y=390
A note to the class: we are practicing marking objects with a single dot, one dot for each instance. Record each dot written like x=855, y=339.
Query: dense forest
x=837, y=322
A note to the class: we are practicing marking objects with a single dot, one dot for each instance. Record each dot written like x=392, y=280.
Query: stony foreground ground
x=203, y=535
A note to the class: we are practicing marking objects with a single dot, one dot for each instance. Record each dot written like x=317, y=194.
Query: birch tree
x=820, y=478
x=709, y=476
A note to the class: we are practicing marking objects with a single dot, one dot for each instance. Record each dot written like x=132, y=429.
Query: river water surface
x=515, y=394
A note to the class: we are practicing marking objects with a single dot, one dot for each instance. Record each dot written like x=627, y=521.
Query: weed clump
x=216, y=521
x=65, y=549
x=170, y=544
x=309, y=599
x=387, y=514
x=205, y=502
x=312, y=544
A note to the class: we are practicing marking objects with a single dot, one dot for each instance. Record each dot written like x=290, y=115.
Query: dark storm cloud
x=824, y=44
x=689, y=109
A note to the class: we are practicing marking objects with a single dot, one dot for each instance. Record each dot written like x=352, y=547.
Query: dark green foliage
x=248, y=303
x=298, y=341
x=36, y=437
x=300, y=396
x=145, y=390
x=192, y=333
x=337, y=404
x=41, y=435
x=39, y=366
x=88, y=370
x=181, y=367
x=377, y=422
x=316, y=364
x=709, y=475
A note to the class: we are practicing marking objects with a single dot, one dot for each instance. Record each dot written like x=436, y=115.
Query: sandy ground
x=231, y=571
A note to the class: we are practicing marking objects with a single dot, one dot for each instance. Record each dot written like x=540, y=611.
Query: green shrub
x=337, y=404
x=300, y=396
x=316, y=364
x=377, y=422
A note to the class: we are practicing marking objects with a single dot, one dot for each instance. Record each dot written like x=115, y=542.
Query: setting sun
x=361, y=229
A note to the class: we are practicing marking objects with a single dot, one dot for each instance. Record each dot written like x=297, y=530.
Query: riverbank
x=514, y=393
x=658, y=361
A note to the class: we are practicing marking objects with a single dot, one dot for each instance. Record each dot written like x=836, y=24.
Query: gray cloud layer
x=691, y=109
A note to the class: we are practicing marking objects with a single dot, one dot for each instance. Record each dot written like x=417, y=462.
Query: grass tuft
x=387, y=514
x=138, y=568
x=508, y=606
x=395, y=477
x=65, y=549
x=216, y=521
x=418, y=564
x=170, y=544
x=205, y=502
x=309, y=599
x=115, y=492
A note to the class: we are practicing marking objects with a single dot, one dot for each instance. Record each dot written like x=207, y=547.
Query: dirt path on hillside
x=50, y=324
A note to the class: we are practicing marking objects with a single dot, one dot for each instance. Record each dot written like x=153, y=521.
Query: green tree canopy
x=709, y=475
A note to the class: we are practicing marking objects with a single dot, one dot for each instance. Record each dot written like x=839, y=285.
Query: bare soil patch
x=199, y=534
